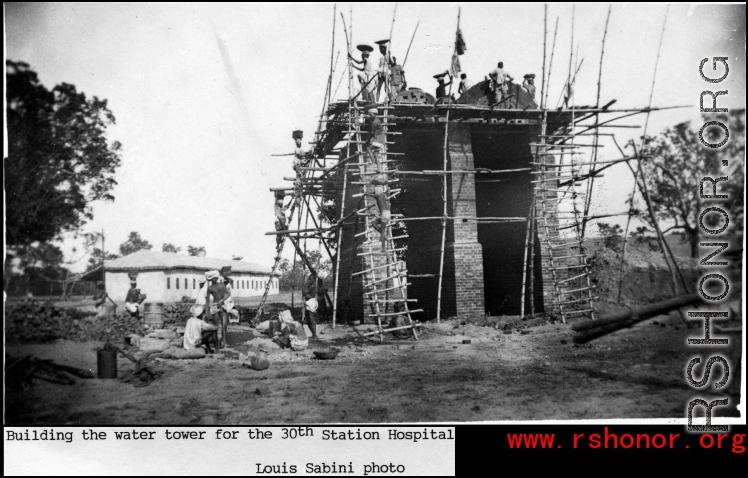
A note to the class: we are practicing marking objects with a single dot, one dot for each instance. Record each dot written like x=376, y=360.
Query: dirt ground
x=532, y=373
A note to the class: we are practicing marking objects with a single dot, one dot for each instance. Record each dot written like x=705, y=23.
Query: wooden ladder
x=388, y=273
x=568, y=265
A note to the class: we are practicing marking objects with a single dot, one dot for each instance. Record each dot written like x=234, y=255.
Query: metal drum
x=153, y=313
x=106, y=363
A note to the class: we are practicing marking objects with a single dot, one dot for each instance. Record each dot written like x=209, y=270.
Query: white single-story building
x=166, y=277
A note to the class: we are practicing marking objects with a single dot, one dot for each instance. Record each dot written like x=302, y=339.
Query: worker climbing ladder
x=296, y=202
x=560, y=222
x=383, y=271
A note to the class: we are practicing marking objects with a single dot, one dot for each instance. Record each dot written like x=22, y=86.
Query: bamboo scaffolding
x=445, y=191
x=639, y=168
x=427, y=172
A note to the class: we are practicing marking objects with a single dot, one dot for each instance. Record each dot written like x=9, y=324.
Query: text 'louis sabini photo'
x=410, y=216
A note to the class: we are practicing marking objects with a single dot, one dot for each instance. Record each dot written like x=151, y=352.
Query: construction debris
x=22, y=371
x=35, y=321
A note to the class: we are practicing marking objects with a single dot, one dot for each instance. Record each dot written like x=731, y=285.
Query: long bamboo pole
x=445, y=193
x=639, y=167
x=591, y=183
x=545, y=35
x=550, y=63
x=411, y=43
x=533, y=225
x=338, y=251
x=530, y=218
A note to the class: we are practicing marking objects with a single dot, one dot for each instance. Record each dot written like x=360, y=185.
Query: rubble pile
x=177, y=314
x=34, y=321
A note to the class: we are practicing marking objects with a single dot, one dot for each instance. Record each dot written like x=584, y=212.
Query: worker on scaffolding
x=529, y=84
x=299, y=154
x=377, y=137
x=280, y=218
x=441, y=90
x=383, y=71
x=500, y=80
x=378, y=191
x=366, y=79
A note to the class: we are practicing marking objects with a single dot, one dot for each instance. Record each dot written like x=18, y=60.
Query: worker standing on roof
x=529, y=84
x=441, y=90
x=397, y=79
x=367, y=83
x=500, y=80
x=383, y=71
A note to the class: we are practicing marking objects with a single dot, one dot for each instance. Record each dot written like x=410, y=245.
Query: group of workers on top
x=390, y=76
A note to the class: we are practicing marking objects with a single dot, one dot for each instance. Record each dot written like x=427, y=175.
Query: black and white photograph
x=223, y=214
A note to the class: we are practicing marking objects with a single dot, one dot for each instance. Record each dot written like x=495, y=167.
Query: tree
x=97, y=255
x=134, y=243
x=236, y=258
x=293, y=276
x=59, y=160
x=169, y=247
x=196, y=251
x=674, y=164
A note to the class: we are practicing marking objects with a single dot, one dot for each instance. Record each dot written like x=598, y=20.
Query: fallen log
x=593, y=329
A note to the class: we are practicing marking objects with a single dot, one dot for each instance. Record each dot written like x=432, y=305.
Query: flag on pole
x=455, y=69
x=460, y=46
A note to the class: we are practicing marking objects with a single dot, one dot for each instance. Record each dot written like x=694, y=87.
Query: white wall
x=154, y=285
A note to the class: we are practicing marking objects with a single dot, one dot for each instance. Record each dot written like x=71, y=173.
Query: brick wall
x=464, y=289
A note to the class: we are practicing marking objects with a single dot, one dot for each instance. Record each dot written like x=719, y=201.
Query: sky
x=203, y=94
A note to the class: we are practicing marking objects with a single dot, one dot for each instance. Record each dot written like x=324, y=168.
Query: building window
x=168, y=282
x=185, y=283
x=193, y=283
x=176, y=282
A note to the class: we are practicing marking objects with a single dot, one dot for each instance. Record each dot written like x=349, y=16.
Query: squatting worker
x=377, y=137
x=465, y=84
x=198, y=332
x=292, y=333
x=220, y=294
x=310, y=309
x=134, y=299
